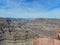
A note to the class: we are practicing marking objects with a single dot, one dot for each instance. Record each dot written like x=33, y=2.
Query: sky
x=30, y=8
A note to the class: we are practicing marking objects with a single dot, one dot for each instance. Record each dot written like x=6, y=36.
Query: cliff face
x=23, y=31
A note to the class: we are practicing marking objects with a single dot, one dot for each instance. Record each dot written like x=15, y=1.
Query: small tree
x=26, y=36
x=9, y=22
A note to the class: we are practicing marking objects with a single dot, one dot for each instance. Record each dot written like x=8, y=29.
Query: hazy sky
x=30, y=8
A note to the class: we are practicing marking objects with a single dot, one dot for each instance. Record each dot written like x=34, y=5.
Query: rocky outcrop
x=46, y=41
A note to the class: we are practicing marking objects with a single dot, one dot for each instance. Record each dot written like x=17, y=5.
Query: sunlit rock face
x=46, y=41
